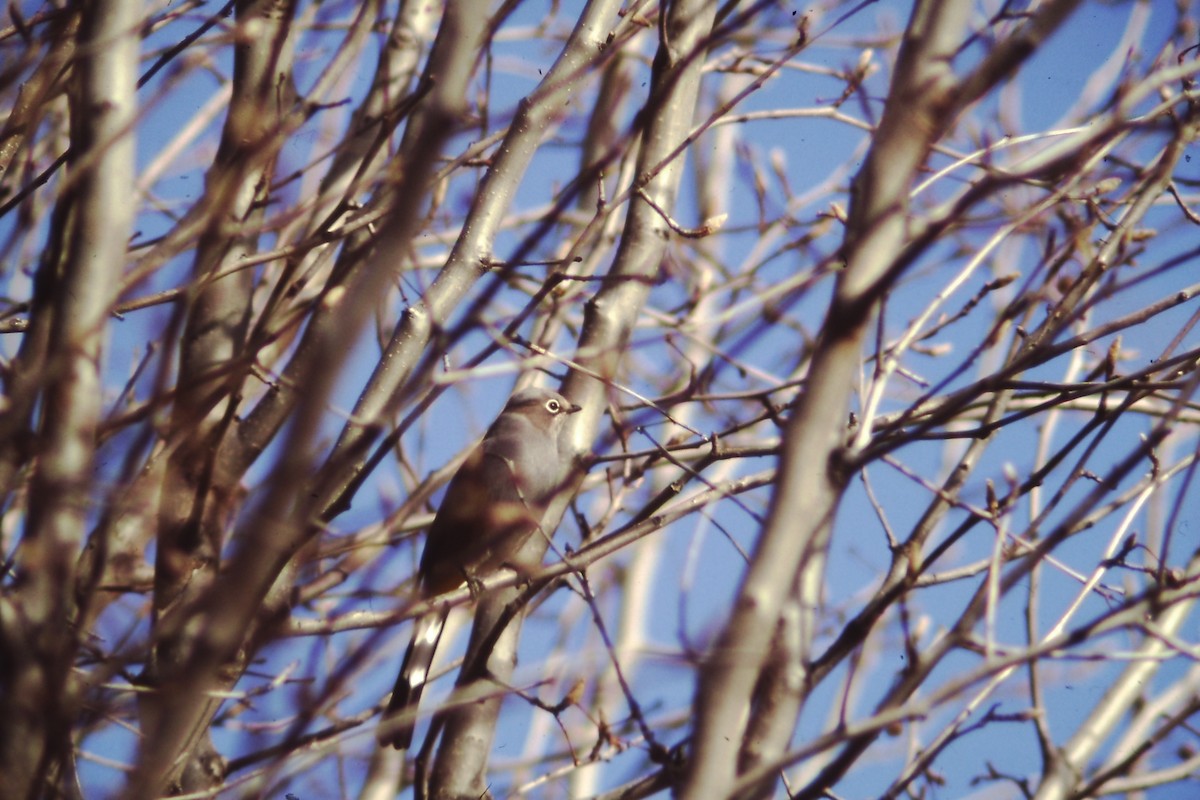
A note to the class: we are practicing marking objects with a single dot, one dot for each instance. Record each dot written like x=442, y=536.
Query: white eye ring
x=553, y=406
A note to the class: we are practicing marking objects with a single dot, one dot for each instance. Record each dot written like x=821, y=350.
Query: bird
x=493, y=504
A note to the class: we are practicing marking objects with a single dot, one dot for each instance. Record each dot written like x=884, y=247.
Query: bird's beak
x=573, y=408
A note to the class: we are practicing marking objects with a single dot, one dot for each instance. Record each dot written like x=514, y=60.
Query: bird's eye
x=553, y=406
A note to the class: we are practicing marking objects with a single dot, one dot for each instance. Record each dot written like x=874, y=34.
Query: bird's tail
x=400, y=717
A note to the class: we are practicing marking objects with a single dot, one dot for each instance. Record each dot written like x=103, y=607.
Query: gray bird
x=493, y=504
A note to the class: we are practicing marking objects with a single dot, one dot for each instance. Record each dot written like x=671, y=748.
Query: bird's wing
x=482, y=519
